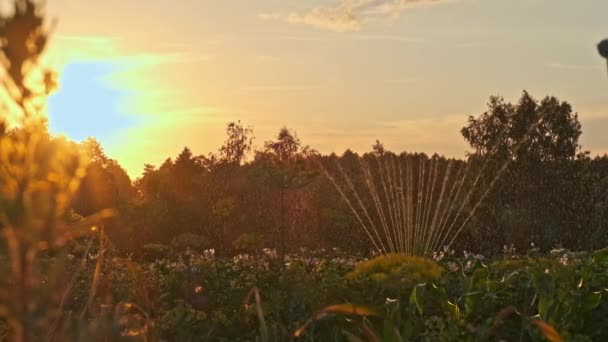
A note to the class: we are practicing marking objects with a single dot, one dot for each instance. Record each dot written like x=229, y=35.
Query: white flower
x=391, y=300
x=565, y=259
x=438, y=256
x=209, y=253
x=272, y=253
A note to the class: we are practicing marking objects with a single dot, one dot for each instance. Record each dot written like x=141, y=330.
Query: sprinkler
x=602, y=48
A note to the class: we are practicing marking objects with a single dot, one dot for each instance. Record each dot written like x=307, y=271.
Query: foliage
x=545, y=194
x=523, y=298
x=40, y=174
x=397, y=273
x=155, y=251
x=529, y=298
x=186, y=241
x=25, y=34
x=602, y=48
x=237, y=144
x=549, y=192
x=545, y=131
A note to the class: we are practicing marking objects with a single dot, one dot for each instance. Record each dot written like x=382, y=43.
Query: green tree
x=238, y=143
x=229, y=185
x=533, y=201
x=106, y=186
x=542, y=131
x=285, y=165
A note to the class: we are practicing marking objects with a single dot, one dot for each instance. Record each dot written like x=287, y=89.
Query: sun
x=87, y=104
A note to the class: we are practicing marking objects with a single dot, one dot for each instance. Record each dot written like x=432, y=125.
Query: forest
x=236, y=199
x=283, y=243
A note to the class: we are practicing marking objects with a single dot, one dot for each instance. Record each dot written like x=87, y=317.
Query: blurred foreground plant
x=39, y=175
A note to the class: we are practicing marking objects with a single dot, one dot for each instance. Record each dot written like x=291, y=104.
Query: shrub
x=190, y=241
x=396, y=274
x=247, y=243
x=155, y=251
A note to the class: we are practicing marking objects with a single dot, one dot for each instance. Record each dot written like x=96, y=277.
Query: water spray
x=412, y=204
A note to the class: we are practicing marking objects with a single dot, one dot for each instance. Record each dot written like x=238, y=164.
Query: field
x=328, y=295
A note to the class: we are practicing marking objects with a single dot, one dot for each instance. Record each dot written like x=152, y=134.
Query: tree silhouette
x=237, y=144
x=285, y=166
x=602, y=48
x=546, y=131
x=534, y=199
x=106, y=186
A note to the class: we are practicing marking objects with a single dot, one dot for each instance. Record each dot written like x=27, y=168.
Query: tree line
x=550, y=192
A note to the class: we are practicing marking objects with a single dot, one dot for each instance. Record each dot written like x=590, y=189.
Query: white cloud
x=347, y=15
x=117, y=51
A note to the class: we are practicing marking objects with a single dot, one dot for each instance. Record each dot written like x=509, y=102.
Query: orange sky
x=148, y=78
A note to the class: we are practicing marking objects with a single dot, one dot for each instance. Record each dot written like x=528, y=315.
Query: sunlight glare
x=87, y=104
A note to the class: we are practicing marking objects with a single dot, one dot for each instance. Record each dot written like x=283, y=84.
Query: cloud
x=347, y=15
x=88, y=39
x=156, y=59
x=390, y=38
x=364, y=37
x=71, y=47
x=97, y=49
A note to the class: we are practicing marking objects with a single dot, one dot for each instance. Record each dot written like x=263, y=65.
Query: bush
x=154, y=251
x=395, y=274
x=191, y=241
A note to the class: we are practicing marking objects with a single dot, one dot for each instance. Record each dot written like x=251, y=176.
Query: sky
x=149, y=78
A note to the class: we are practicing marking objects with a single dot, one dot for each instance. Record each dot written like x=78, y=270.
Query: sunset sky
x=150, y=77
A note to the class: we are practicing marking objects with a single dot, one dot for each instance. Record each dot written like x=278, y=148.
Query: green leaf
x=471, y=301
x=479, y=279
x=600, y=257
x=390, y=333
x=343, y=309
x=591, y=301
x=545, y=303
x=417, y=297
x=544, y=283
x=453, y=310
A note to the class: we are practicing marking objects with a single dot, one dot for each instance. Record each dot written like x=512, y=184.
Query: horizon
x=339, y=73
